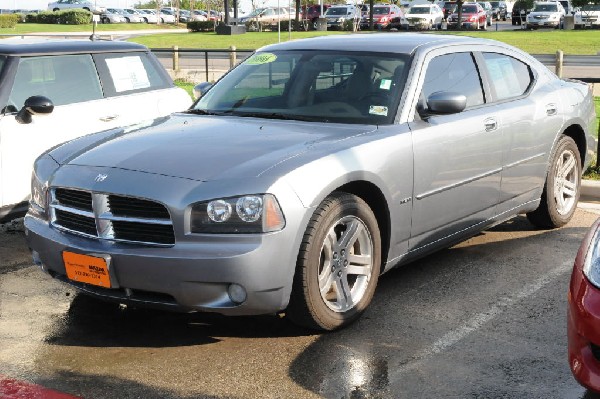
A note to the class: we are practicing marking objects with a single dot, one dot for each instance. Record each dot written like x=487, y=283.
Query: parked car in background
x=338, y=15
x=288, y=187
x=143, y=17
x=134, y=18
x=149, y=16
x=112, y=16
x=473, y=17
x=422, y=17
x=487, y=7
x=519, y=12
x=313, y=12
x=199, y=15
x=583, y=312
x=83, y=87
x=185, y=16
x=69, y=4
x=588, y=16
x=161, y=17
x=499, y=10
x=447, y=7
x=167, y=17
x=547, y=14
x=383, y=14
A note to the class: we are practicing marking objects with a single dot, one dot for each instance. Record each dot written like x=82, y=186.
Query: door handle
x=490, y=124
x=551, y=109
x=109, y=118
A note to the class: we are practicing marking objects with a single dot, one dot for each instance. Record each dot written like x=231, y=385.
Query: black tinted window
x=454, y=73
x=509, y=77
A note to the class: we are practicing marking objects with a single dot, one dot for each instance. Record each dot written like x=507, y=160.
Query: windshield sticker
x=263, y=58
x=379, y=110
x=385, y=84
x=128, y=73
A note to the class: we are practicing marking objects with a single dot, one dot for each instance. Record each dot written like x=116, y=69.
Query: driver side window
x=454, y=73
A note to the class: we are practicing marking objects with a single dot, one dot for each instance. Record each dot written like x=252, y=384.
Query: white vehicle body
x=69, y=4
x=92, y=86
x=429, y=15
x=149, y=16
x=549, y=14
x=588, y=16
x=130, y=17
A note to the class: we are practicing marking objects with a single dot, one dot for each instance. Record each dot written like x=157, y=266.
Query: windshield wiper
x=201, y=112
x=276, y=115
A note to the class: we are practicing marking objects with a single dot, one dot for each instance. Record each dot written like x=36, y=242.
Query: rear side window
x=509, y=77
x=64, y=79
x=127, y=73
x=454, y=73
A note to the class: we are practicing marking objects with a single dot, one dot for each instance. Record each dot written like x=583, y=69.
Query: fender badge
x=100, y=178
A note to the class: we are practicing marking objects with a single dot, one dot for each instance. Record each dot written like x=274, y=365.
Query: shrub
x=201, y=26
x=75, y=17
x=8, y=20
x=68, y=17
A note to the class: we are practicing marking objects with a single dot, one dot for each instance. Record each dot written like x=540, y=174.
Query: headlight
x=473, y=18
x=341, y=19
x=38, y=203
x=591, y=267
x=258, y=213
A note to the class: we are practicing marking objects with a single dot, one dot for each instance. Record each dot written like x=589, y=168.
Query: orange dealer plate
x=87, y=269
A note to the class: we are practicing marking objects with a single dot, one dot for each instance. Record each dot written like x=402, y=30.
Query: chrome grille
x=111, y=217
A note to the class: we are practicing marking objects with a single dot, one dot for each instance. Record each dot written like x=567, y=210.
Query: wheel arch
x=577, y=133
x=374, y=197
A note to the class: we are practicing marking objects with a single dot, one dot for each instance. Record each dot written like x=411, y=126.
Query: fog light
x=237, y=293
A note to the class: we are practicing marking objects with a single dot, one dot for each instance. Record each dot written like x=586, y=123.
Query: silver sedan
x=308, y=171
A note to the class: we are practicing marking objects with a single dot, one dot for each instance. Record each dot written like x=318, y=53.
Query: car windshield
x=495, y=4
x=546, y=7
x=591, y=7
x=336, y=11
x=469, y=9
x=419, y=10
x=318, y=86
x=381, y=10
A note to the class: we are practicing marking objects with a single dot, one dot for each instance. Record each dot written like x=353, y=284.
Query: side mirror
x=34, y=105
x=201, y=88
x=444, y=103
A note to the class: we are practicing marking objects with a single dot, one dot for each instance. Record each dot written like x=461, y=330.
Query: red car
x=583, y=313
x=473, y=17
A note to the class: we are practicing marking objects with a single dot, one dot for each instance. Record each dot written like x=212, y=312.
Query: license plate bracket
x=90, y=269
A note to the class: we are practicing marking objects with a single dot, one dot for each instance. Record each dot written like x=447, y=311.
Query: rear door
x=137, y=88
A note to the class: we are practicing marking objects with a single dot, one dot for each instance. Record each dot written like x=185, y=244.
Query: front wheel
x=338, y=265
x=561, y=191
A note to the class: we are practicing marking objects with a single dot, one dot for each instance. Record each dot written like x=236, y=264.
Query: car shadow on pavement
x=96, y=323
x=406, y=344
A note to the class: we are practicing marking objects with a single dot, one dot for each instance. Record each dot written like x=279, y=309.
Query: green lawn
x=534, y=42
x=210, y=40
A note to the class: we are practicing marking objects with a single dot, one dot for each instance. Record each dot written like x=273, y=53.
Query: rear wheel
x=338, y=265
x=562, y=188
x=56, y=9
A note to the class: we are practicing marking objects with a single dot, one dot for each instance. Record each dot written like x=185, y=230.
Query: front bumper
x=543, y=23
x=183, y=277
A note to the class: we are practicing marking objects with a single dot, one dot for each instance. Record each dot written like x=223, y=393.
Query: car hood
x=204, y=147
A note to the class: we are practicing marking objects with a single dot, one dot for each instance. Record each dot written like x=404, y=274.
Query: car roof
x=406, y=43
x=27, y=47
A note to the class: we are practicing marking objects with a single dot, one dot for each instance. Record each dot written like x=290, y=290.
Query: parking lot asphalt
x=483, y=319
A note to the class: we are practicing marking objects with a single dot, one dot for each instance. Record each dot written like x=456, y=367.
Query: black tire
x=557, y=206
x=127, y=20
x=323, y=265
x=56, y=9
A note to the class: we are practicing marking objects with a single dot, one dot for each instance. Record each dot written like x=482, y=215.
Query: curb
x=590, y=189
